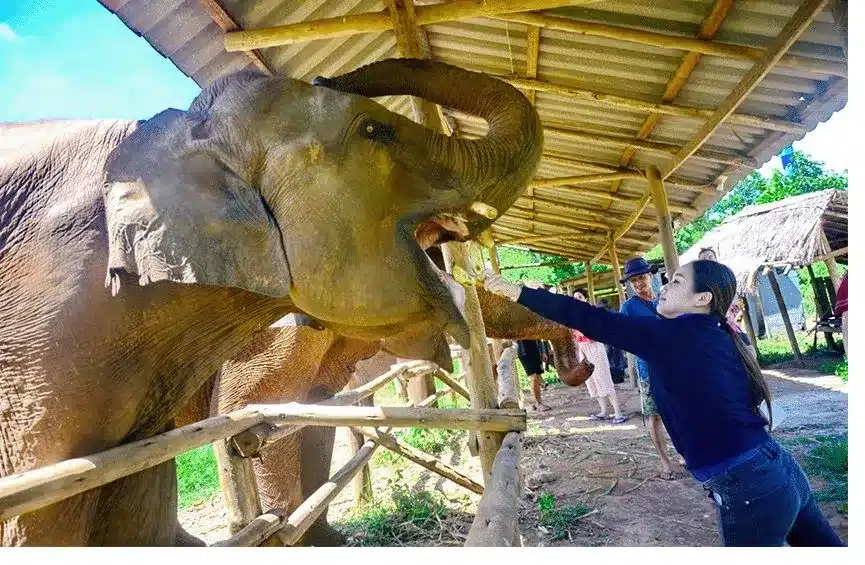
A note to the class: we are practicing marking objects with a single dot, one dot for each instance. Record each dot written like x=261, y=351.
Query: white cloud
x=7, y=33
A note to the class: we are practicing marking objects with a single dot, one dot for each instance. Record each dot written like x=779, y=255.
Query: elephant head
x=315, y=193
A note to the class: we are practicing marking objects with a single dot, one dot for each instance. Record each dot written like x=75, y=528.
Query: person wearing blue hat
x=638, y=273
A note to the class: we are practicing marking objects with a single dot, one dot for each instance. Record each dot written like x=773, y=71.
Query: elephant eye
x=377, y=131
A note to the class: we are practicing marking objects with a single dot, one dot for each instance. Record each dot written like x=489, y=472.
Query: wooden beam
x=795, y=27
x=496, y=518
x=665, y=223
x=534, y=85
x=749, y=326
x=667, y=41
x=306, y=514
x=256, y=532
x=452, y=383
x=533, y=44
x=35, y=489
x=381, y=21
x=785, y=316
x=562, y=221
x=477, y=419
x=543, y=264
x=390, y=442
x=641, y=207
x=227, y=24
x=586, y=179
x=614, y=262
x=590, y=284
x=708, y=28
x=509, y=392
x=829, y=259
x=479, y=372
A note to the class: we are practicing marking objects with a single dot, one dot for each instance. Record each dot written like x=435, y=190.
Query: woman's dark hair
x=717, y=279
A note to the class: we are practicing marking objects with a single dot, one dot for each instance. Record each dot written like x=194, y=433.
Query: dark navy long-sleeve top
x=699, y=382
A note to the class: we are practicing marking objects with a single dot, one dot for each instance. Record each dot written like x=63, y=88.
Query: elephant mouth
x=441, y=228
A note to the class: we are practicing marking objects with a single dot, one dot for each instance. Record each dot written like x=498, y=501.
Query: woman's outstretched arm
x=643, y=336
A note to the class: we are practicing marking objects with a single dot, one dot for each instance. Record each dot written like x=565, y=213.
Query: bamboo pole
x=306, y=514
x=586, y=179
x=829, y=260
x=431, y=399
x=361, y=483
x=509, y=396
x=665, y=222
x=749, y=326
x=667, y=109
x=452, y=383
x=388, y=441
x=479, y=372
x=666, y=41
x=590, y=284
x=494, y=259
x=477, y=419
x=256, y=532
x=239, y=487
x=496, y=518
x=249, y=442
x=627, y=225
x=795, y=27
x=617, y=270
x=381, y=21
x=782, y=306
x=31, y=490
x=544, y=264
x=227, y=24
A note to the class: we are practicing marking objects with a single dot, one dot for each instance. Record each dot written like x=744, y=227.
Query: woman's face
x=579, y=296
x=678, y=297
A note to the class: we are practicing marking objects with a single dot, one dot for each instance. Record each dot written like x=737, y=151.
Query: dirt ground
x=610, y=469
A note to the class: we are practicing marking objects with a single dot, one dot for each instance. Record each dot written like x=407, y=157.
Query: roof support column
x=665, y=222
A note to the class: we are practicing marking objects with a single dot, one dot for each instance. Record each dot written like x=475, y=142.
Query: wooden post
x=508, y=390
x=831, y=265
x=494, y=259
x=239, y=487
x=361, y=483
x=749, y=326
x=590, y=284
x=479, y=372
x=617, y=270
x=665, y=223
x=496, y=519
x=779, y=298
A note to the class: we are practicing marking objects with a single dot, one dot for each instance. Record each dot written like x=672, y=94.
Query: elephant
x=276, y=368
x=136, y=257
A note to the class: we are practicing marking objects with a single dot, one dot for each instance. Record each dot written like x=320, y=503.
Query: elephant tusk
x=484, y=210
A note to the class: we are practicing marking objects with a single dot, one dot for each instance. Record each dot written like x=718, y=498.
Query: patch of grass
x=829, y=460
x=197, y=476
x=406, y=518
x=838, y=368
x=777, y=349
x=558, y=519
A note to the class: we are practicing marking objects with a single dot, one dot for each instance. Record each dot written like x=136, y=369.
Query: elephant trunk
x=494, y=169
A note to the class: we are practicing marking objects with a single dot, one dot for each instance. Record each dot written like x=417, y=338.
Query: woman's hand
x=497, y=284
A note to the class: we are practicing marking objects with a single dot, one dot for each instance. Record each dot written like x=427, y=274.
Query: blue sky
x=74, y=59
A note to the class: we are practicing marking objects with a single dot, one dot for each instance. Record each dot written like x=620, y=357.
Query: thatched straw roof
x=787, y=232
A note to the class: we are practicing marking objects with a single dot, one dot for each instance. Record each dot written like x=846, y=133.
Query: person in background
x=530, y=356
x=841, y=310
x=735, y=313
x=638, y=273
x=615, y=357
x=709, y=389
x=600, y=384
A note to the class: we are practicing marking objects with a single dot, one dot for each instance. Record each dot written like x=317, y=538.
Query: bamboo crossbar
x=301, y=519
x=249, y=442
x=452, y=383
x=32, y=490
x=428, y=401
x=381, y=21
x=256, y=532
x=425, y=460
x=496, y=521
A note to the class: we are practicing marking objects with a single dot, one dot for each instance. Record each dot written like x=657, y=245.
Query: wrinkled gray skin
x=135, y=258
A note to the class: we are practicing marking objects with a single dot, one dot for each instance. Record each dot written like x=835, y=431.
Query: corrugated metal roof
x=805, y=93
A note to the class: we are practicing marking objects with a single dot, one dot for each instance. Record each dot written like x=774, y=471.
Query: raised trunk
x=493, y=170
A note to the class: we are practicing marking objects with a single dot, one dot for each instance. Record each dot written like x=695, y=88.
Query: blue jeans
x=766, y=500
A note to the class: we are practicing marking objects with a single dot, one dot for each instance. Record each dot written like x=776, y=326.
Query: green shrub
x=197, y=476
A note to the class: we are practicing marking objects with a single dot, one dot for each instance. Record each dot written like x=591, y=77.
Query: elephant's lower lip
x=441, y=228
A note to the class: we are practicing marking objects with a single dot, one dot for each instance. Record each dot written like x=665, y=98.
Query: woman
x=600, y=384
x=708, y=390
x=529, y=354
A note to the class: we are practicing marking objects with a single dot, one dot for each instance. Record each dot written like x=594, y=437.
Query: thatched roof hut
x=787, y=232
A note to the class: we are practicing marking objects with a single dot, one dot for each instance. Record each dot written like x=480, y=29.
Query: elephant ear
x=176, y=211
